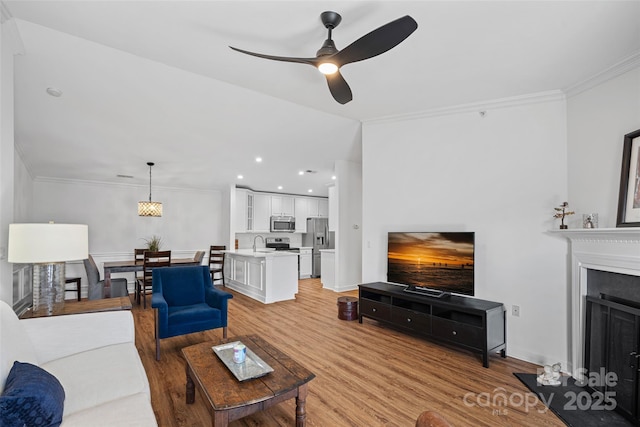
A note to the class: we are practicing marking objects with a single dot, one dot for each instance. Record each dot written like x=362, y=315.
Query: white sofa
x=94, y=358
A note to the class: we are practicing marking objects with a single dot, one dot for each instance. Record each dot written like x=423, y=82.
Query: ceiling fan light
x=328, y=68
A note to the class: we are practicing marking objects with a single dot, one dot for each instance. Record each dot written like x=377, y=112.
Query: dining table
x=131, y=265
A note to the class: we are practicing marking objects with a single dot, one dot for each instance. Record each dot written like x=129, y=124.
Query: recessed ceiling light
x=54, y=92
x=258, y=159
x=301, y=173
x=333, y=177
x=240, y=176
x=310, y=190
x=279, y=187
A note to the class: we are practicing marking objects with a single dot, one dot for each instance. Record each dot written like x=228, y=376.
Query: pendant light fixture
x=150, y=208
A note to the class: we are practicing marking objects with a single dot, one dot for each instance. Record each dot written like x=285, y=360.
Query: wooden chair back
x=138, y=256
x=152, y=260
x=216, y=263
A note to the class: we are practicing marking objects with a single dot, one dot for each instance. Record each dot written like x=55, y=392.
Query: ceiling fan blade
x=377, y=41
x=310, y=61
x=339, y=88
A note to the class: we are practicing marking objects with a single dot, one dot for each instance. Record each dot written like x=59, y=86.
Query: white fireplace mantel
x=622, y=234
x=615, y=250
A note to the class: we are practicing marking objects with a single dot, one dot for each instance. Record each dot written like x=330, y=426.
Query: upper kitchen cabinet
x=254, y=210
x=261, y=212
x=309, y=207
x=282, y=206
x=318, y=207
x=302, y=213
x=323, y=208
x=243, y=216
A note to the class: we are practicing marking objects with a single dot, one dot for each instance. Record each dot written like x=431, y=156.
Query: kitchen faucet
x=254, y=241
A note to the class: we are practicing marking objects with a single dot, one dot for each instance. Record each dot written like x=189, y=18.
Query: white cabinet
x=302, y=213
x=254, y=210
x=243, y=217
x=312, y=209
x=309, y=207
x=323, y=208
x=282, y=205
x=317, y=207
x=262, y=276
x=261, y=212
x=305, y=263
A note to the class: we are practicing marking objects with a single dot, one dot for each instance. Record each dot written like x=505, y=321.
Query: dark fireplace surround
x=605, y=312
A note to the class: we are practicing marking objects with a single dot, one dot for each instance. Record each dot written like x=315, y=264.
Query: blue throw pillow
x=31, y=397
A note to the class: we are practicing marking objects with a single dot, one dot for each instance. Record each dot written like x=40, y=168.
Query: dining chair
x=138, y=259
x=198, y=257
x=95, y=286
x=151, y=260
x=216, y=263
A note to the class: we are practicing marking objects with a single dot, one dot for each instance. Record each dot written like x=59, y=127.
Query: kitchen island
x=266, y=276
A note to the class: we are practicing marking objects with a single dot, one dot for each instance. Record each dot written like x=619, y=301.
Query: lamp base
x=48, y=288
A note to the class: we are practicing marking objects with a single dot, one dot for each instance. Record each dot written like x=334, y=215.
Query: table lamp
x=48, y=247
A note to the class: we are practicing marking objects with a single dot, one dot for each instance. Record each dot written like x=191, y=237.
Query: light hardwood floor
x=366, y=374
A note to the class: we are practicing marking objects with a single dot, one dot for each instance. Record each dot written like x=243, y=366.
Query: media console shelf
x=473, y=324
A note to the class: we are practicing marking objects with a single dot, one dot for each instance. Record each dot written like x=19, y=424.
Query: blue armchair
x=185, y=301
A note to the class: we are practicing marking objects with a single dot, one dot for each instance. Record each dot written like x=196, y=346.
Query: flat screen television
x=432, y=263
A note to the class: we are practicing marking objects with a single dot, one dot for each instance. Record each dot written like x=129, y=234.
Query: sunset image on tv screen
x=441, y=261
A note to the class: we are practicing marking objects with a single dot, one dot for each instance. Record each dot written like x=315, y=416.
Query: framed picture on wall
x=629, y=197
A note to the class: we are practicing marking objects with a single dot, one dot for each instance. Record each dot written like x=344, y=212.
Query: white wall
x=23, y=191
x=597, y=120
x=500, y=176
x=348, y=244
x=9, y=40
x=192, y=219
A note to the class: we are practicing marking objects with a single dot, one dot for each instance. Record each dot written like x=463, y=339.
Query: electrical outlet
x=515, y=310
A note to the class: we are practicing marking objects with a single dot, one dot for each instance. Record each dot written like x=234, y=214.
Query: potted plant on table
x=154, y=243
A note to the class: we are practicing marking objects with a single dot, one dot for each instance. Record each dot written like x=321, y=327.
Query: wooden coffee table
x=229, y=398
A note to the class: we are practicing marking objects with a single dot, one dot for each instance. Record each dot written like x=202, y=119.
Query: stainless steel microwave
x=283, y=224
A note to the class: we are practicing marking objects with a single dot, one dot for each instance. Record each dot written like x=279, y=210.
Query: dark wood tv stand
x=470, y=323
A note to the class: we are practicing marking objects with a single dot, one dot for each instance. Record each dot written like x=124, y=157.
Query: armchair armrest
x=159, y=303
x=59, y=336
x=218, y=299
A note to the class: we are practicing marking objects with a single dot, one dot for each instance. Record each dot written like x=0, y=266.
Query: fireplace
x=605, y=310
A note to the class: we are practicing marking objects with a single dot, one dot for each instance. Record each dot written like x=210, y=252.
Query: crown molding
x=627, y=64
x=68, y=181
x=476, y=107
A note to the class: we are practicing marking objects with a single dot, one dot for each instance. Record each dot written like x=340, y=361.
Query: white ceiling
x=156, y=81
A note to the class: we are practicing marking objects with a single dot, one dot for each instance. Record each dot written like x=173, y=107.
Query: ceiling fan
x=329, y=59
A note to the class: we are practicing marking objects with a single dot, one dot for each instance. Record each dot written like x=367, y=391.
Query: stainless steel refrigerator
x=317, y=237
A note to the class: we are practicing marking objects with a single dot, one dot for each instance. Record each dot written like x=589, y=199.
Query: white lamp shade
x=48, y=243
